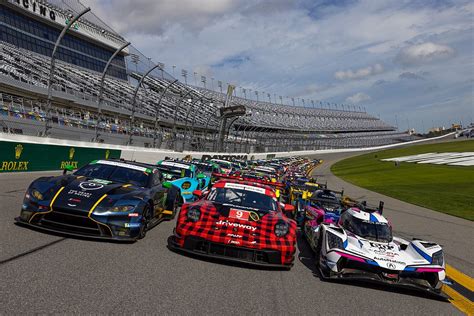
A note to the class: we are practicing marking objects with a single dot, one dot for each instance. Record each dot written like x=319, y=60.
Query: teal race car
x=184, y=176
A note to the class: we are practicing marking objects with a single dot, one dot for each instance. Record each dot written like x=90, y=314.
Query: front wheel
x=178, y=202
x=144, y=224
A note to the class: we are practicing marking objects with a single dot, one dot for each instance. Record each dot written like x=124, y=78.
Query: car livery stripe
x=50, y=205
x=174, y=164
x=424, y=255
x=92, y=210
x=373, y=218
x=96, y=203
x=121, y=164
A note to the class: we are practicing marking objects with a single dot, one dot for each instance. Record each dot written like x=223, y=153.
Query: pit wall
x=19, y=153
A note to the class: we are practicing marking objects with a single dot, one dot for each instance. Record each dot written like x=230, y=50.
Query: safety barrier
x=20, y=153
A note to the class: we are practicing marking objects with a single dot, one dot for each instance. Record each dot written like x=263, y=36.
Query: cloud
x=423, y=53
x=410, y=76
x=358, y=98
x=153, y=17
x=361, y=73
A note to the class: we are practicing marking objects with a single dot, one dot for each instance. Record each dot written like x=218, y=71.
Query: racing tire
x=144, y=225
x=178, y=202
x=324, y=275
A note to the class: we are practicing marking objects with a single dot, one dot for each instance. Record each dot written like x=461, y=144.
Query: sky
x=408, y=62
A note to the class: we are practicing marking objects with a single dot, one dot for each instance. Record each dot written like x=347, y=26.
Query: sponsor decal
x=234, y=242
x=90, y=186
x=388, y=260
x=224, y=157
x=391, y=266
x=244, y=187
x=381, y=247
x=238, y=214
x=15, y=165
x=73, y=200
x=234, y=235
x=87, y=195
x=235, y=225
x=73, y=164
x=18, y=151
x=37, y=7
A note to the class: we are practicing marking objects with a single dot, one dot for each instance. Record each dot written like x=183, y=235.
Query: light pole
x=101, y=86
x=186, y=120
x=157, y=113
x=52, y=66
x=175, y=117
x=184, y=73
x=194, y=120
x=134, y=98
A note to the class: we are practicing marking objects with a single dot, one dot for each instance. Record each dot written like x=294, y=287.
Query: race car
x=361, y=247
x=324, y=203
x=108, y=199
x=185, y=177
x=238, y=221
x=226, y=166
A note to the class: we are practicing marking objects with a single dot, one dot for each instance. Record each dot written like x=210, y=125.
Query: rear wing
x=339, y=194
x=364, y=206
x=243, y=178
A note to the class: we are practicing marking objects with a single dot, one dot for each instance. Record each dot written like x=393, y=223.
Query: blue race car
x=107, y=199
x=184, y=176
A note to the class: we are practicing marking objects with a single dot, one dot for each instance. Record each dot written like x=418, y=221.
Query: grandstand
x=168, y=113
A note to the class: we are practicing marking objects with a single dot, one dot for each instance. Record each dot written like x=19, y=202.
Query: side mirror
x=201, y=176
x=68, y=168
x=197, y=193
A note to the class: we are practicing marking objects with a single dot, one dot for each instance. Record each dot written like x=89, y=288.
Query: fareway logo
x=227, y=223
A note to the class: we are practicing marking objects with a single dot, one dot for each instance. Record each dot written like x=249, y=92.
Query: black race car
x=111, y=199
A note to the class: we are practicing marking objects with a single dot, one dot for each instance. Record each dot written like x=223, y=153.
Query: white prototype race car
x=361, y=246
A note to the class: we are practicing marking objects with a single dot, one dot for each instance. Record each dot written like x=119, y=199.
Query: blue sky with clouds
x=410, y=62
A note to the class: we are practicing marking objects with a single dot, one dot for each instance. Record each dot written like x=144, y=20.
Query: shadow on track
x=307, y=258
x=65, y=235
x=223, y=261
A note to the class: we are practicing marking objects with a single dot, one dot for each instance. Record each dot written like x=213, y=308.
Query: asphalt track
x=46, y=273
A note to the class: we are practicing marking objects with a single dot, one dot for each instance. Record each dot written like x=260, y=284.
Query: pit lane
x=48, y=273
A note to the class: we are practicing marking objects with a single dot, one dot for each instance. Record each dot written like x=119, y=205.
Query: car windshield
x=375, y=231
x=115, y=174
x=224, y=164
x=243, y=198
x=331, y=206
x=172, y=173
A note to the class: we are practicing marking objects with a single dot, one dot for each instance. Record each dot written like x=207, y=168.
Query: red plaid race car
x=238, y=221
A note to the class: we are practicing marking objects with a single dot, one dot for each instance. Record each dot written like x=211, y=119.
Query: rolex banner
x=24, y=157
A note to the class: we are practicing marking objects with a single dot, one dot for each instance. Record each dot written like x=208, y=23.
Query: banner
x=23, y=157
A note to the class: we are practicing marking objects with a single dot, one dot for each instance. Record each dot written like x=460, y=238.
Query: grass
x=447, y=189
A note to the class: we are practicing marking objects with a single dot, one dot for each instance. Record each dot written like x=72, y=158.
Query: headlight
x=281, y=229
x=115, y=209
x=193, y=214
x=36, y=194
x=438, y=258
x=334, y=241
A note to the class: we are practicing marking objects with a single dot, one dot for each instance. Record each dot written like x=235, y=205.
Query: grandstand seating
x=314, y=127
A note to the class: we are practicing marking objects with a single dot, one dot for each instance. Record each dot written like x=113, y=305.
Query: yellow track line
x=462, y=303
x=460, y=278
